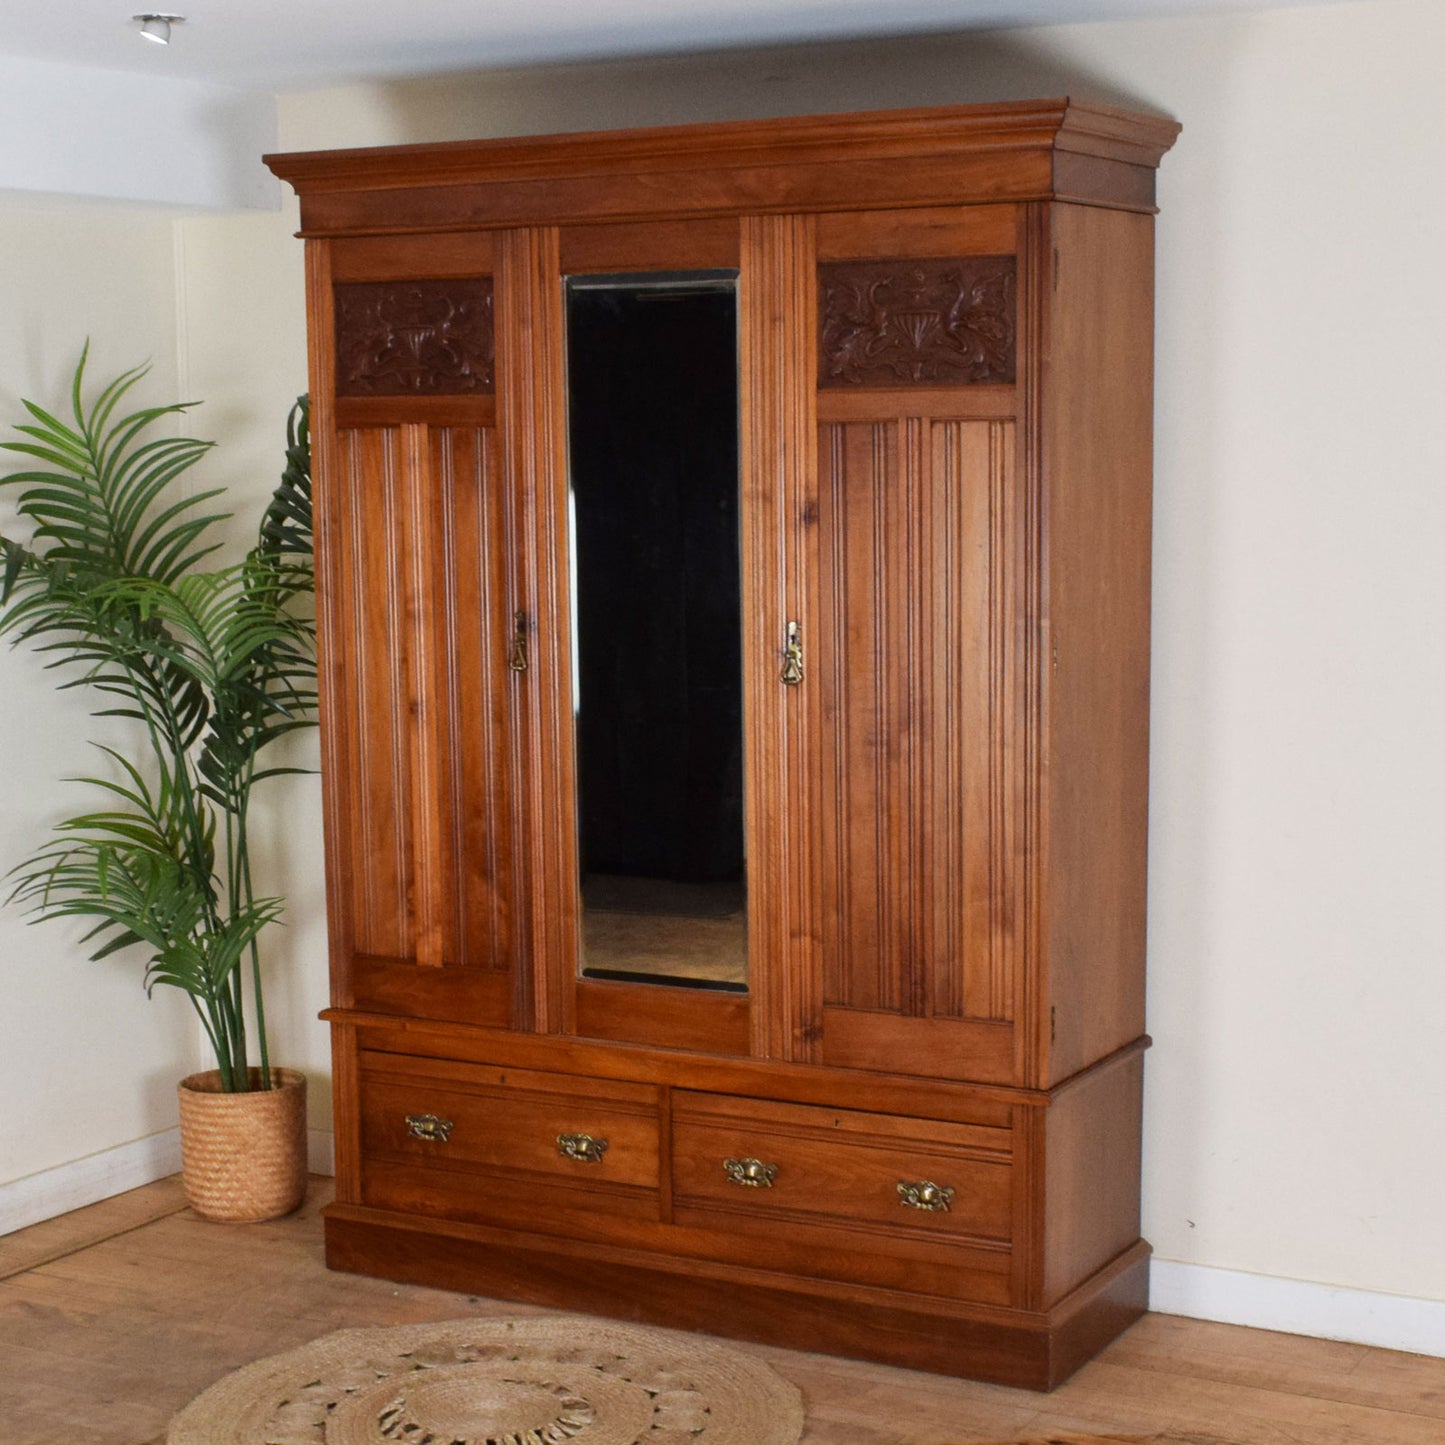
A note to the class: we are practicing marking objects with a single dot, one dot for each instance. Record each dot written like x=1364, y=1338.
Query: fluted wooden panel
x=480, y=793
x=377, y=812
x=428, y=796
x=532, y=418
x=422, y=612
x=917, y=678
x=780, y=564
x=864, y=526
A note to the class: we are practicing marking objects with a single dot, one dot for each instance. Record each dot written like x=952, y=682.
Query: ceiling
x=292, y=44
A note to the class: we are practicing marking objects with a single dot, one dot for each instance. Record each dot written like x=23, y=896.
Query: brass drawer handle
x=750, y=1173
x=581, y=1147
x=429, y=1127
x=925, y=1194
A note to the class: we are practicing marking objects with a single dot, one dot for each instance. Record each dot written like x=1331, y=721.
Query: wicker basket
x=243, y=1156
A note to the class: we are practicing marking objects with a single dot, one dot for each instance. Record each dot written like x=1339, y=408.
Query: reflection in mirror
x=657, y=630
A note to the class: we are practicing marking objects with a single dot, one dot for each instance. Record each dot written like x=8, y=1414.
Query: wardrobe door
x=420, y=630
x=920, y=660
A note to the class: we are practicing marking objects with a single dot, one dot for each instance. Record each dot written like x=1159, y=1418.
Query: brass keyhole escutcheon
x=793, y=657
x=518, y=660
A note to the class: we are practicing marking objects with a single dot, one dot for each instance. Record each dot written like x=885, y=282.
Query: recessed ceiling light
x=158, y=27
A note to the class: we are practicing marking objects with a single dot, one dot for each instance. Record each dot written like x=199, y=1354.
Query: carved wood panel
x=415, y=338
x=916, y=676
x=932, y=322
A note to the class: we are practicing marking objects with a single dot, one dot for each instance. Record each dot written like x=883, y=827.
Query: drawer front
x=560, y=1130
x=899, y=1182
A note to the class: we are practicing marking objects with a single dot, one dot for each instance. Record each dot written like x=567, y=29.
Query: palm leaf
x=214, y=664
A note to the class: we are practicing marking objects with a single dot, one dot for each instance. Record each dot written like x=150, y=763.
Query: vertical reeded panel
x=914, y=672
x=780, y=568
x=970, y=762
x=864, y=521
x=423, y=612
x=473, y=565
x=371, y=562
x=532, y=422
x=424, y=551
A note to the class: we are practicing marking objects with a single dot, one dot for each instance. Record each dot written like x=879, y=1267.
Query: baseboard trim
x=42, y=1196
x=1298, y=1307
x=321, y=1152
x=57, y=1191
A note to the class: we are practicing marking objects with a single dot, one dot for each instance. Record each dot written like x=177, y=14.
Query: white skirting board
x=321, y=1152
x=99, y=1176
x=85, y=1181
x=1297, y=1307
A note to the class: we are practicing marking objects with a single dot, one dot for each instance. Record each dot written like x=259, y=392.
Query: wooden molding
x=932, y=156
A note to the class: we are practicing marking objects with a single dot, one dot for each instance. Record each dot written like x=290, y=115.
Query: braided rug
x=546, y=1381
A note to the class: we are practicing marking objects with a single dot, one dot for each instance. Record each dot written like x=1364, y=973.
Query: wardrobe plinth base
x=1035, y=1351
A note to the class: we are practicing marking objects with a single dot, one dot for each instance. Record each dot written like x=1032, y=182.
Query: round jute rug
x=545, y=1381
x=1070, y=1438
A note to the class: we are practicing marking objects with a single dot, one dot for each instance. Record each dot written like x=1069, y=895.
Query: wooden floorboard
x=26, y=1248
x=114, y=1317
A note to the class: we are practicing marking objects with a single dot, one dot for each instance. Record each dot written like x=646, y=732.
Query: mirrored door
x=652, y=392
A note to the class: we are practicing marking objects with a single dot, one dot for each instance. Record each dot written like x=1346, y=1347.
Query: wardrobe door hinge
x=1053, y=1025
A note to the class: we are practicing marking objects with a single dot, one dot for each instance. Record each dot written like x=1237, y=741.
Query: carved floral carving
x=917, y=322
x=414, y=338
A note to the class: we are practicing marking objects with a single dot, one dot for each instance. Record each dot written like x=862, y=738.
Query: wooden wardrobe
x=734, y=557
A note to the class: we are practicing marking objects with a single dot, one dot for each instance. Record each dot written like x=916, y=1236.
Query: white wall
x=86, y=1063
x=1296, y=1096
x=67, y=130
x=89, y=1066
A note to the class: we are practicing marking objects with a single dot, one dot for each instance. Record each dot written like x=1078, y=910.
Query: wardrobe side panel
x=1093, y=1145
x=1097, y=471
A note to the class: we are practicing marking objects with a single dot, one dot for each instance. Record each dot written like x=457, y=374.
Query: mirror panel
x=657, y=631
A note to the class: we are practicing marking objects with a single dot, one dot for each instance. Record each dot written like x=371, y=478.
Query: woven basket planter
x=243, y=1156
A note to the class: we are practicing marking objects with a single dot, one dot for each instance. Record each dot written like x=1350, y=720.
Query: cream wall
x=1296, y=1098
x=86, y=1062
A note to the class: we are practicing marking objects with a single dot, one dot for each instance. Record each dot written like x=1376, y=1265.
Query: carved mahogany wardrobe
x=734, y=558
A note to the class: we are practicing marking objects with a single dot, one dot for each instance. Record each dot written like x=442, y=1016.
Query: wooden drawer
x=522, y=1137
x=834, y=1180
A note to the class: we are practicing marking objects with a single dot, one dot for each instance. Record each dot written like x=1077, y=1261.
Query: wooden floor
x=113, y=1317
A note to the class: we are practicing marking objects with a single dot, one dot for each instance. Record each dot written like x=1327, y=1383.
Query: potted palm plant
x=117, y=584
